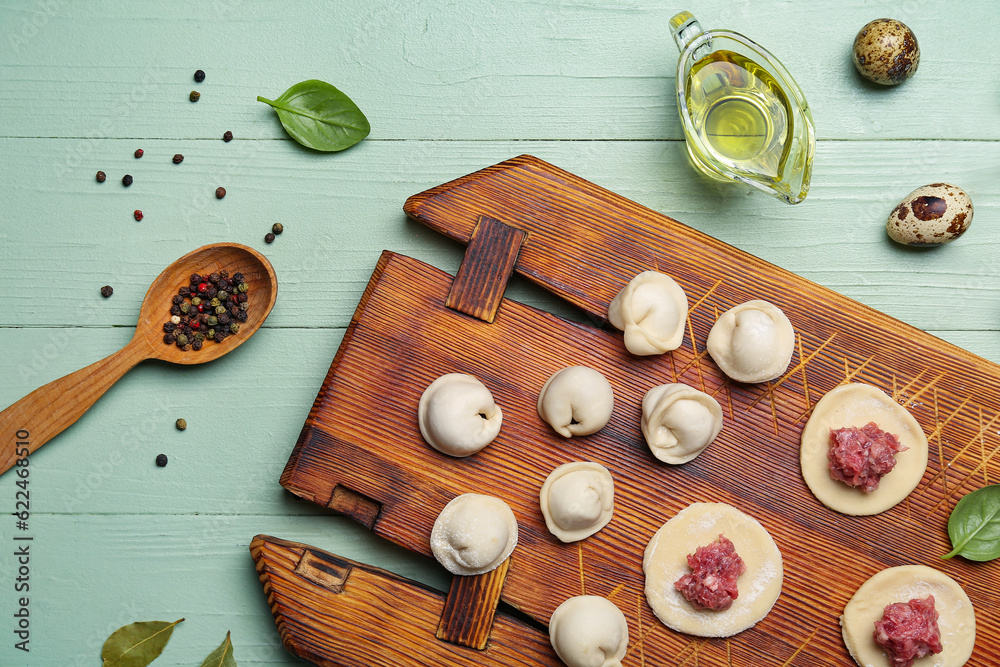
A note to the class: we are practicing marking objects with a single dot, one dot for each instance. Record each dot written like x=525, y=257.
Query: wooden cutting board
x=361, y=453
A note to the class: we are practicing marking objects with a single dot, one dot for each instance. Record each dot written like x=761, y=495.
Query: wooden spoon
x=48, y=411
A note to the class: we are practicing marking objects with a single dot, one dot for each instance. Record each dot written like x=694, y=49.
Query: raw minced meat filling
x=712, y=581
x=909, y=630
x=860, y=457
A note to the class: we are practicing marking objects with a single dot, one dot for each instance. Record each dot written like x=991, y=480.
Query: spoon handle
x=49, y=410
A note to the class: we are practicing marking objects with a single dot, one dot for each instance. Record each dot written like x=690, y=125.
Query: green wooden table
x=449, y=87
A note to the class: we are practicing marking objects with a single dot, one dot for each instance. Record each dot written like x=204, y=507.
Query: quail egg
x=886, y=52
x=930, y=215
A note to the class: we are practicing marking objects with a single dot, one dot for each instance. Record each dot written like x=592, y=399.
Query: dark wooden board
x=584, y=243
x=336, y=612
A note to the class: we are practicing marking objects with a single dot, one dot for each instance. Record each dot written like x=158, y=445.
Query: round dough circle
x=697, y=525
x=589, y=631
x=956, y=621
x=457, y=415
x=679, y=422
x=651, y=310
x=576, y=401
x=752, y=342
x=473, y=534
x=856, y=405
x=577, y=500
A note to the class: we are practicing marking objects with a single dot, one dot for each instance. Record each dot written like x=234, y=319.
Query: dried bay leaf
x=222, y=656
x=137, y=644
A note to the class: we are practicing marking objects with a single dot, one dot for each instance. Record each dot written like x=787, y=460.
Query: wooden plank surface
x=450, y=88
x=524, y=69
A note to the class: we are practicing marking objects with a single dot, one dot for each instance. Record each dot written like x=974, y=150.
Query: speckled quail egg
x=930, y=215
x=886, y=52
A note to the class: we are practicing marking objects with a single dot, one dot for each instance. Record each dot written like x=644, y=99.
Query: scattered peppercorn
x=220, y=193
x=101, y=176
x=181, y=424
x=107, y=291
x=127, y=180
x=277, y=228
x=269, y=238
x=178, y=158
x=194, y=96
x=161, y=460
x=137, y=214
x=199, y=75
x=228, y=136
x=138, y=153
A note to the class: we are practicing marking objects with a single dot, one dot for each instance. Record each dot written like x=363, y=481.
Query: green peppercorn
x=198, y=337
x=195, y=300
x=212, y=321
x=243, y=306
x=181, y=424
x=243, y=288
x=234, y=327
x=220, y=310
x=194, y=96
x=182, y=339
x=210, y=333
x=185, y=308
x=277, y=228
x=215, y=303
x=223, y=295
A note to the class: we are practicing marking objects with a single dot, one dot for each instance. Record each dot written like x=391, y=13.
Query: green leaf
x=319, y=116
x=974, y=526
x=222, y=656
x=138, y=644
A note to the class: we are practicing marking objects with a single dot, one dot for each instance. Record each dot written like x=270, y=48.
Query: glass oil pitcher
x=744, y=117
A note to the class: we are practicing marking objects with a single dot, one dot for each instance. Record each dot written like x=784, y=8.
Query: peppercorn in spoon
x=49, y=410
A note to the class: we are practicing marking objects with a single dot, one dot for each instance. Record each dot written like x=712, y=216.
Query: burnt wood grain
x=374, y=618
x=489, y=260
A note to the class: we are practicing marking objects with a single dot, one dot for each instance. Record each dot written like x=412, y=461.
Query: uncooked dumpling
x=576, y=401
x=856, y=405
x=752, y=342
x=589, y=631
x=651, y=310
x=679, y=422
x=457, y=415
x=956, y=618
x=665, y=561
x=474, y=534
x=577, y=500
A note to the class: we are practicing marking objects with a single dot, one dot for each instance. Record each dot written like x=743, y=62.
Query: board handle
x=49, y=410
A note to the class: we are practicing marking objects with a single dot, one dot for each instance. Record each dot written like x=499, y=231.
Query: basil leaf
x=974, y=526
x=138, y=644
x=319, y=116
x=222, y=656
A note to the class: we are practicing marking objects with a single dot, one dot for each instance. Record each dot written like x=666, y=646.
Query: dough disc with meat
x=665, y=562
x=856, y=405
x=956, y=618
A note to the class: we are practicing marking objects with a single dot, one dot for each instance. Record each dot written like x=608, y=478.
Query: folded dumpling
x=457, y=415
x=651, y=310
x=576, y=401
x=679, y=422
x=752, y=342
x=474, y=534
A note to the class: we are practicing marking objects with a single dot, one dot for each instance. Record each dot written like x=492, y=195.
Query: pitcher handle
x=685, y=28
